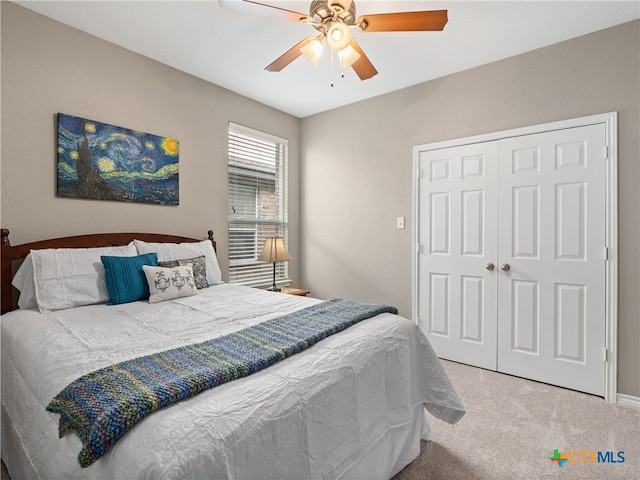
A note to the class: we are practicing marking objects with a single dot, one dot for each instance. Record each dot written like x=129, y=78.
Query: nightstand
x=294, y=291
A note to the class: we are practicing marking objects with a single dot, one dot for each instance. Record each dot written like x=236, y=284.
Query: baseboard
x=628, y=401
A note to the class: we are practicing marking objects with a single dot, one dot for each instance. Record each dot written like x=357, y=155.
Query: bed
x=353, y=405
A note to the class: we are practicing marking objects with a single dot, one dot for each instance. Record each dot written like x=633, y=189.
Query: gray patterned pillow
x=199, y=266
x=169, y=283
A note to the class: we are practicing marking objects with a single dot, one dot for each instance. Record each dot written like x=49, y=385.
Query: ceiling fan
x=333, y=19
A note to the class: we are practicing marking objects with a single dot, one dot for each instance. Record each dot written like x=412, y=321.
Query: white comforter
x=313, y=415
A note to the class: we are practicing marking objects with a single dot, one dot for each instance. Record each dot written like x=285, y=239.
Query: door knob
x=489, y=266
x=505, y=267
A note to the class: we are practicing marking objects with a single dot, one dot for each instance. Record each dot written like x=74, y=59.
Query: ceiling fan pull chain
x=332, y=55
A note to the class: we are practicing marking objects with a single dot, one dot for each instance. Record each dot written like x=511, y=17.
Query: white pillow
x=180, y=251
x=23, y=281
x=71, y=277
x=166, y=283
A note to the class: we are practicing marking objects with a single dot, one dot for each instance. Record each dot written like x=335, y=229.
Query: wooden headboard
x=17, y=252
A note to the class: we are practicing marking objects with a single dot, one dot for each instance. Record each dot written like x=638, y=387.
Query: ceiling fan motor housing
x=321, y=10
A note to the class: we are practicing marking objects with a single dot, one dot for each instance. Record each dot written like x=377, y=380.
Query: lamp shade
x=274, y=251
x=313, y=50
x=348, y=56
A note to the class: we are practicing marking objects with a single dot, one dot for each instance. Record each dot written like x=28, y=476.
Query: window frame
x=245, y=164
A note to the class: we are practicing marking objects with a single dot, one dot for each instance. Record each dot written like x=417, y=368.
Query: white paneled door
x=551, y=223
x=458, y=239
x=511, y=263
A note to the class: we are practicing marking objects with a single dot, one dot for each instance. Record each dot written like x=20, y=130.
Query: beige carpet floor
x=512, y=428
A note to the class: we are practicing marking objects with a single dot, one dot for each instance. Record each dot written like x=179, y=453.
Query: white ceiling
x=231, y=48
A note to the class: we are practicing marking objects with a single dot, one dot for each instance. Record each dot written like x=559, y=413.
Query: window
x=258, y=200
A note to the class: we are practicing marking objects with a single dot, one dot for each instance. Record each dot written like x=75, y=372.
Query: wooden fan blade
x=345, y=4
x=434, y=20
x=363, y=66
x=262, y=9
x=289, y=56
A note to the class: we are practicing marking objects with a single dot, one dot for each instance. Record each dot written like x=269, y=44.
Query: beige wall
x=48, y=68
x=356, y=175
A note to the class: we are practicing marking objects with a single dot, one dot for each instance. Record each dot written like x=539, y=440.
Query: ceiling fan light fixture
x=338, y=36
x=313, y=50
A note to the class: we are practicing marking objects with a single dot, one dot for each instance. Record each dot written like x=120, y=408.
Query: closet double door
x=511, y=255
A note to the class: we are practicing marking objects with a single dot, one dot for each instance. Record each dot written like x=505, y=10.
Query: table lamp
x=274, y=251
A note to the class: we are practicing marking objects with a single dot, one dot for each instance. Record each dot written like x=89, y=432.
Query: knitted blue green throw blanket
x=103, y=405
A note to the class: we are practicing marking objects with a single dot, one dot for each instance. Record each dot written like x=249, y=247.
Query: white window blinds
x=258, y=203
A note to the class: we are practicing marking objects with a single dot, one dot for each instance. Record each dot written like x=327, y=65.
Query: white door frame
x=611, y=208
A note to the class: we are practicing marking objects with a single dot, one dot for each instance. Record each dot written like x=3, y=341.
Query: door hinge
x=606, y=253
x=606, y=354
x=606, y=152
x=418, y=248
x=418, y=174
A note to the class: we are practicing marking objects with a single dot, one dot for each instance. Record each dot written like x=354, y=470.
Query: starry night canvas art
x=104, y=162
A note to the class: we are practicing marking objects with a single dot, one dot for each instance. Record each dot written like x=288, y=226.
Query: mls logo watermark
x=586, y=456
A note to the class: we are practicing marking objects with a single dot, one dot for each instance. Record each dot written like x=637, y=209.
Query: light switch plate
x=400, y=223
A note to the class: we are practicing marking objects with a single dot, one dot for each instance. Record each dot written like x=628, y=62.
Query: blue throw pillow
x=125, y=279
